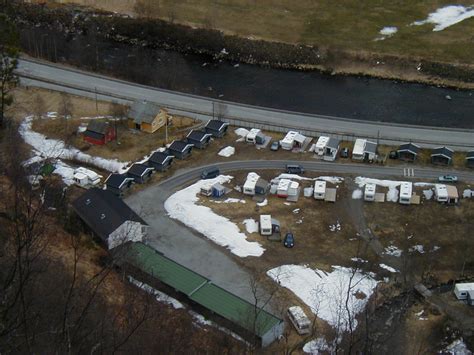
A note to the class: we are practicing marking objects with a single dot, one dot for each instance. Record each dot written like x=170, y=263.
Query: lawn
x=346, y=24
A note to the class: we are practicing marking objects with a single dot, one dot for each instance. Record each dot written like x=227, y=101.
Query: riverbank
x=219, y=46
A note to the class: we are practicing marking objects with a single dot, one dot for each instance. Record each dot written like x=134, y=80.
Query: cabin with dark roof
x=217, y=128
x=109, y=217
x=118, y=183
x=140, y=173
x=199, y=139
x=442, y=156
x=147, y=117
x=408, y=152
x=180, y=149
x=99, y=133
x=160, y=161
x=470, y=159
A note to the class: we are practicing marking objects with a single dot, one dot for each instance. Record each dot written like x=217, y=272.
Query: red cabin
x=99, y=133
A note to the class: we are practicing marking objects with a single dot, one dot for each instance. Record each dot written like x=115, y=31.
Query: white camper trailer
x=84, y=177
x=265, y=224
x=441, y=193
x=320, y=146
x=461, y=290
x=252, y=135
x=369, y=192
x=291, y=140
x=406, y=189
x=250, y=183
x=319, y=190
x=359, y=148
x=283, y=186
x=293, y=189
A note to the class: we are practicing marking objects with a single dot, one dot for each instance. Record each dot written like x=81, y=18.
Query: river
x=310, y=92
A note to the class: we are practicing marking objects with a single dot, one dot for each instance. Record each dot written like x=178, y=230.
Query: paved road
x=56, y=77
x=176, y=241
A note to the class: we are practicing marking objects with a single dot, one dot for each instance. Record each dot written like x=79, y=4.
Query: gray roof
x=143, y=111
x=370, y=147
x=333, y=143
x=97, y=126
x=216, y=125
x=409, y=147
x=180, y=146
x=444, y=151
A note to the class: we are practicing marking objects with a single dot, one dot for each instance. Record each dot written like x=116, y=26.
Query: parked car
x=448, y=178
x=210, y=173
x=345, y=153
x=393, y=154
x=294, y=169
x=289, y=240
x=275, y=146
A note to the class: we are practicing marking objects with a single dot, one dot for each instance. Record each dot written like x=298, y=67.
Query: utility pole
x=96, y=103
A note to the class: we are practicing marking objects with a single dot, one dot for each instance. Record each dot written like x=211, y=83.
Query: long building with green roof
x=249, y=319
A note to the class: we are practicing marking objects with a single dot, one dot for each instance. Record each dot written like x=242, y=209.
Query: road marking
x=408, y=172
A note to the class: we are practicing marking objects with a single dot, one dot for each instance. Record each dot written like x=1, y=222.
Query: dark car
x=275, y=146
x=289, y=240
x=393, y=154
x=345, y=153
x=210, y=173
x=294, y=169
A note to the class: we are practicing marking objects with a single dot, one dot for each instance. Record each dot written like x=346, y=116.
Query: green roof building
x=254, y=321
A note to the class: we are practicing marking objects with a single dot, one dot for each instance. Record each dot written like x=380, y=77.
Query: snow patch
x=392, y=250
x=458, y=347
x=227, y=152
x=357, y=194
x=182, y=206
x=428, y=194
x=159, y=296
x=250, y=225
x=388, y=31
x=418, y=248
x=325, y=293
x=389, y=268
x=316, y=346
x=263, y=203
x=447, y=16
x=242, y=132
x=229, y=200
x=331, y=179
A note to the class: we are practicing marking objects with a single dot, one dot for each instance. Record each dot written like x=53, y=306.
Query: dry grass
x=347, y=24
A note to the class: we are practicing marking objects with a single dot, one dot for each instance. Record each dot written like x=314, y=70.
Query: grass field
x=346, y=24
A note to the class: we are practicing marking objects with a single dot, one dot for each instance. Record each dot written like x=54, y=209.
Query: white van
x=299, y=319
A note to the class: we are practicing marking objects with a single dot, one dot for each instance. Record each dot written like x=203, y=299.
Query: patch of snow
x=357, y=194
x=57, y=149
x=200, y=319
x=241, y=139
x=251, y=225
x=393, y=251
x=331, y=179
x=263, y=203
x=325, y=293
x=52, y=115
x=316, y=346
x=242, y=132
x=182, y=206
x=418, y=248
x=287, y=203
x=428, y=194
x=447, y=16
x=457, y=347
x=389, y=268
x=467, y=193
x=229, y=200
x=359, y=260
x=388, y=31
x=227, y=152
x=65, y=171
x=435, y=248
x=296, y=211
x=159, y=296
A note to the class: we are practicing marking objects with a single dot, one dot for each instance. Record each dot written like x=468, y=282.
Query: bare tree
x=65, y=109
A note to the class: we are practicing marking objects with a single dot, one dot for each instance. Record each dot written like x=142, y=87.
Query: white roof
x=253, y=133
x=299, y=138
x=265, y=221
x=370, y=188
x=441, y=190
x=251, y=181
x=320, y=186
x=284, y=184
x=406, y=189
x=80, y=176
x=89, y=173
x=322, y=141
x=294, y=185
x=290, y=137
x=298, y=314
x=359, y=146
x=466, y=286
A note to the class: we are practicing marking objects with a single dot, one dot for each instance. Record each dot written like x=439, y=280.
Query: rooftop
x=143, y=111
